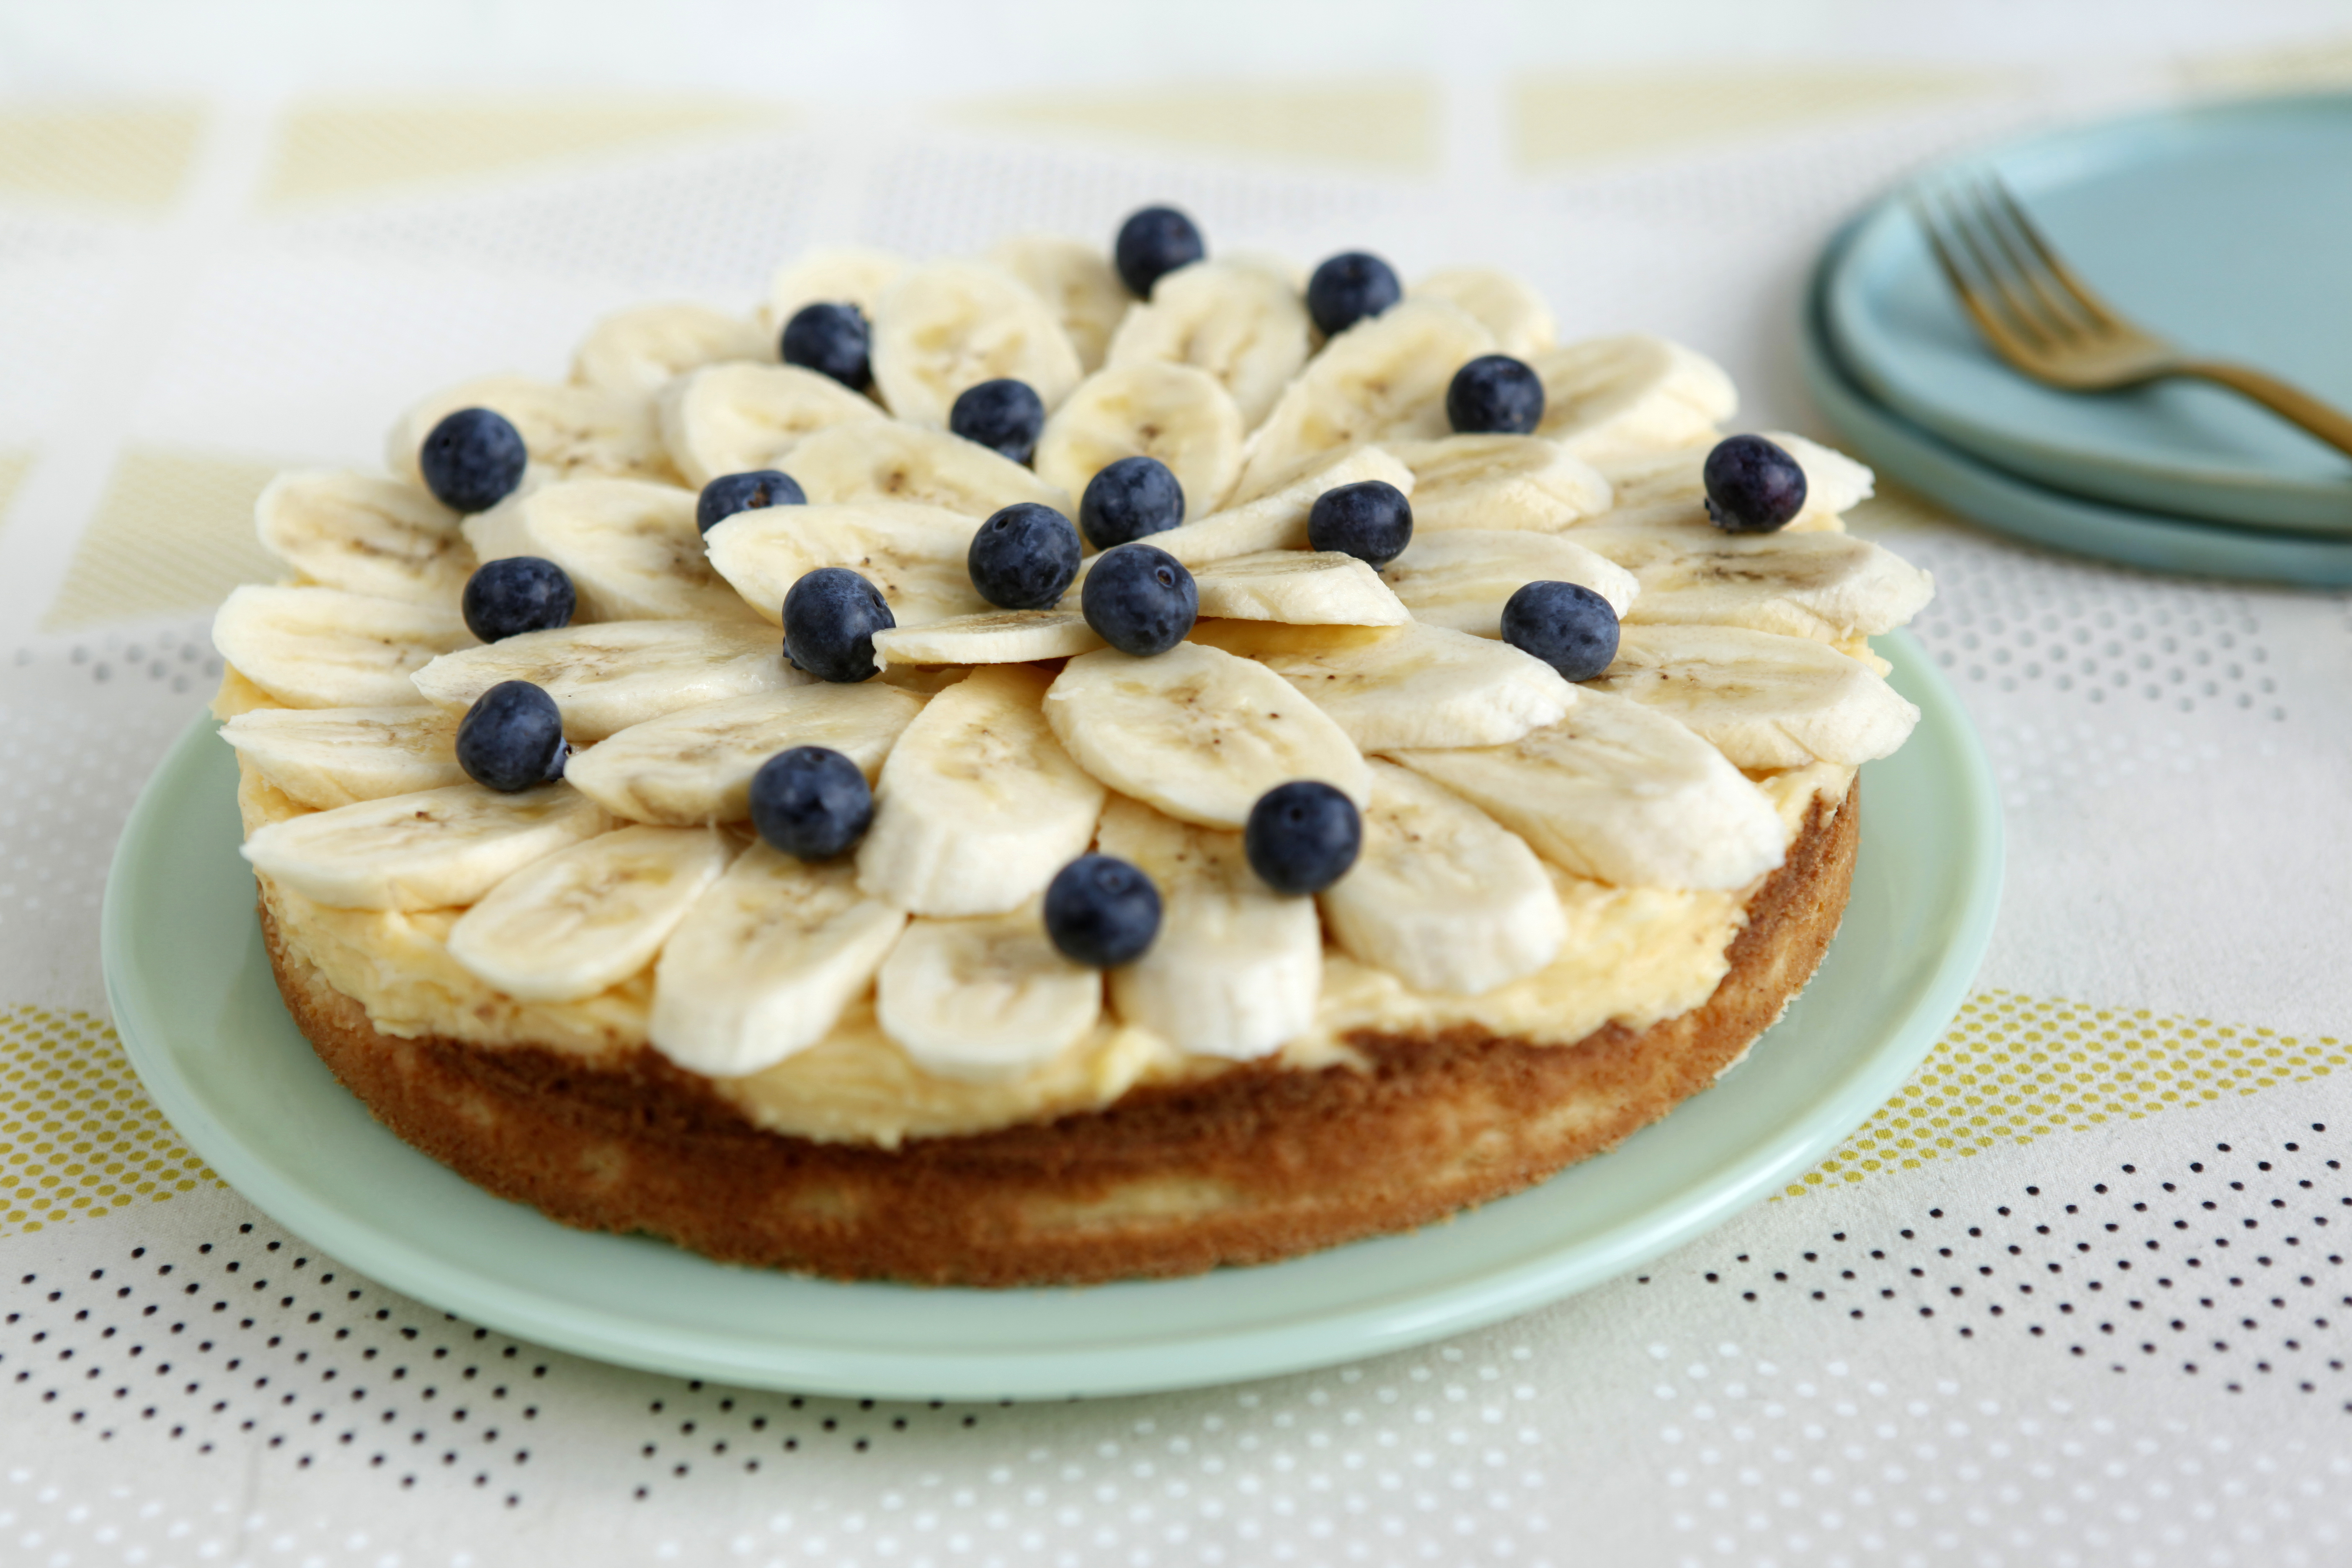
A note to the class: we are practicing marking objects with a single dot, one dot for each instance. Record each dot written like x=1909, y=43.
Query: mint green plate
x=201, y=1017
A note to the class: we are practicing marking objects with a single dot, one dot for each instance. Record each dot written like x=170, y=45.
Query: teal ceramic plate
x=2224, y=228
x=196, y=1008
x=1905, y=452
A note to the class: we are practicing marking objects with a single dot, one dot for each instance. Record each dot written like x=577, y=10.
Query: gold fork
x=2043, y=319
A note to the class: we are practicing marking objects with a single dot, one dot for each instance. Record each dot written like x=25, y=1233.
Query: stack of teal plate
x=2227, y=229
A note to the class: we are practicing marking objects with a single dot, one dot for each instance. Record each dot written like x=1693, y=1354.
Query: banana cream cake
x=1057, y=765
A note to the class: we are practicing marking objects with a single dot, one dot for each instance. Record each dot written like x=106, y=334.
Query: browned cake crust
x=1254, y=1165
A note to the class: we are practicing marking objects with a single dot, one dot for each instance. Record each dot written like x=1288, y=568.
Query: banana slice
x=996, y=636
x=631, y=549
x=1619, y=793
x=695, y=767
x=321, y=647
x=326, y=757
x=979, y=804
x=364, y=534
x=1506, y=306
x=840, y=275
x=1382, y=379
x=1606, y=397
x=1461, y=580
x=608, y=677
x=1830, y=586
x=764, y=963
x=986, y=998
x=1277, y=520
x=1766, y=701
x=1441, y=896
x=1237, y=968
x=914, y=554
x=633, y=353
x=1670, y=487
x=1196, y=732
x=567, y=430
x=1245, y=324
x=1150, y=409
x=1077, y=281
x=1498, y=481
x=737, y=419
x=1303, y=588
x=438, y=848
x=1426, y=686
x=893, y=462
x=949, y=325
x=587, y=918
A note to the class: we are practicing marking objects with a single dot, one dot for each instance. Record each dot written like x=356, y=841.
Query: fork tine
x=2069, y=323
x=1966, y=221
x=1993, y=314
x=2079, y=292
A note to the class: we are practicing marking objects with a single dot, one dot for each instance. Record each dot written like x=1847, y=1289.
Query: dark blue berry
x=831, y=340
x=1101, y=911
x=1005, y=415
x=1350, y=286
x=1495, y=395
x=517, y=594
x=1752, y=486
x=1152, y=243
x=1370, y=521
x=811, y=801
x=1140, y=599
x=727, y=494
x=472, y=460
x=1302, y=836
x=830, y=617
x=1566, y=625
x=1023, y=557
x=1130, y=500
x=512, y=738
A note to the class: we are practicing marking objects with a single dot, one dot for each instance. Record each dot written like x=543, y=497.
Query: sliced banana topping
x=1277, y=520
x=695, y=765
x=1620, y=793
x=364, y=534
x=1237, y=968
x=765, y=963
x=1832, y=587
x=1076, y=281
x=566, y=429
x=326, y=757
x=914, y=554
x=321, y=647
x=985, y=998
x=1247, y=325
x=740, y=418
x=1426, y=686
x=1605, y=397
x=1497, y=482
x=1654, y=488
x=1504, y=305
x=1178, y=414
x=1441, y=896
x=1461, y=580
x=979, y=804
x=1300, y=586
x=994, y=637
x=608, y=677
x=438, y=849
x=894, y=462
x=837, y=275
x=631, y=549
x=949, y=325
x=587, y=918
x=1764, y=700
x=1196, y=732
x=634, y=353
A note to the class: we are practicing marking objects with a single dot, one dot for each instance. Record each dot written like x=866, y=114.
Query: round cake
x=1058, y=766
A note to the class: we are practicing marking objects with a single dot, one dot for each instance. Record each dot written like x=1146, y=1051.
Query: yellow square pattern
x=173, y=533
x=129, y=156
x=78, y=1135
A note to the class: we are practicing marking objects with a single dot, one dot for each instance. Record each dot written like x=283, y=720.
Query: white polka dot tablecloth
x=2077, y=1295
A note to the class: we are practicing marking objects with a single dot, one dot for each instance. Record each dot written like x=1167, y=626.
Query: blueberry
x=472, y=460
x=830, y=340
x=1566, y=625
x=811, y=801
x=1005, y=415
x=1152, y=243
x=1101, y=911
x=1128, y=500
x=1350, y=286
x=1023, y=557
x=1302, y=836
x=1370, y=521
x=830, y=617
x=512, y=738
x=1752, y=486
x=1140, y=599
x=1495, y=395
x=517, y=594
x=727, y=494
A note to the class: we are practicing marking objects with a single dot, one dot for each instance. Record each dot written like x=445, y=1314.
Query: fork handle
x=2330, y=424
